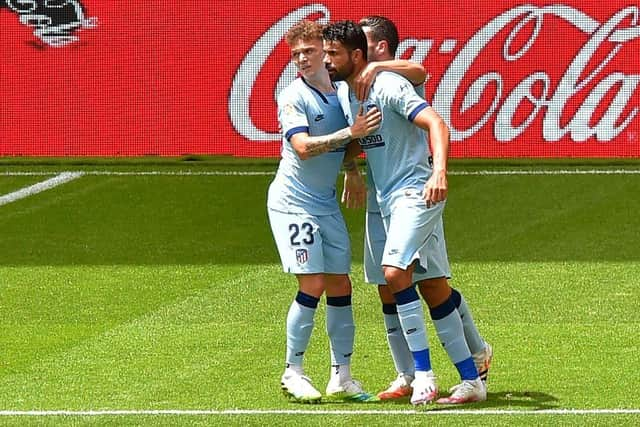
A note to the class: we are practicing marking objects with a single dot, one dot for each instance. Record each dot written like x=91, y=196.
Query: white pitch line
x=271, y=173
x=201, y=412
x=184, y=173
x=550, y=172
x=39, y=187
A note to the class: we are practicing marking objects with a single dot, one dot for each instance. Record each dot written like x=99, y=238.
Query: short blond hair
x=304, y=30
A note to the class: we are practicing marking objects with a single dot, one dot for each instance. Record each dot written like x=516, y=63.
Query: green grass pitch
x=138, y=287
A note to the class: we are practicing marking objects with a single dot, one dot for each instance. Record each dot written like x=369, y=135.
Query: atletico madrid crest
x=302, y=256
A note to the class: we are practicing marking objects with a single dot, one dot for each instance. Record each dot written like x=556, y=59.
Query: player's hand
x=365, y=123
x=355, y=190
x=436, y=187
x=364, y=81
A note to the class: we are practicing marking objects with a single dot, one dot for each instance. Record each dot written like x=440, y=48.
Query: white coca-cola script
x=594, y=89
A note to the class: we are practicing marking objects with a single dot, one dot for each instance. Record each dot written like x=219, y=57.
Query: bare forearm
x=440, y=147
x=350, y=166
x=412, y=71
x=310, y=146
x=351, y=153
x=317, y=145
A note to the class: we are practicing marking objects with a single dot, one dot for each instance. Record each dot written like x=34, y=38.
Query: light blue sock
x=411, y=315
x=472, y=335
x=341, y=329
x=448, y=324
x=299, y=327
x=402, y=358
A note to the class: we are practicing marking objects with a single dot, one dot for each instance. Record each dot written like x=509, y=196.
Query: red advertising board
x=131, y=78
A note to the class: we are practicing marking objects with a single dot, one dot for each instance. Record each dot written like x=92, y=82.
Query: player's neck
x=321, y=82
x=351, y=80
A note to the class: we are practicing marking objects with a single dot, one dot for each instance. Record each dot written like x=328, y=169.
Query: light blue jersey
x=372, y=202
x=307, y=186
x=397, y=153
x=305, y=218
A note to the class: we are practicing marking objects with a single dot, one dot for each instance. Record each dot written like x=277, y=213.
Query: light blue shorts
x=375, y=239
x=310, y=244
x=409, y=230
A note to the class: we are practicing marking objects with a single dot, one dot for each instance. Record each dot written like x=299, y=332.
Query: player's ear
x=381, y=47
x=357, y=56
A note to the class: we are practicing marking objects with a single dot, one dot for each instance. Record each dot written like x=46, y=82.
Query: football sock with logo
x=300, y=326
x=411, y=315
x=340, y=374
x=340, y=329
x=448, y=324
x=472, y=335
x=402, y=358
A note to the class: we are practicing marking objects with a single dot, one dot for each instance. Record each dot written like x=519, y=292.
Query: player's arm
x=411, y=71
x=352, y=151
x=307, y=146
x=436, y=188
x=355, y=190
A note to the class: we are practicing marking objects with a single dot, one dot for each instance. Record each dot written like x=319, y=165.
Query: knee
x=397, y=278
x=338, y=285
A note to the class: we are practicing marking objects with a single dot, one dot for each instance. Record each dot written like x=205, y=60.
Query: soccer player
x=305, y=218
x=382, y=40
x=411, y=190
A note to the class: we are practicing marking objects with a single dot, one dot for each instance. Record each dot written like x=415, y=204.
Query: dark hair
x=382, y=29
x=348, y=33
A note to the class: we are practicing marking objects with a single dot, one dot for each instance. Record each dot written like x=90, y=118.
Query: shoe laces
x=352, y=386
x=301, y=381
x=305, y=378
x=464, y=388
x=425, y=386
x=400, y=382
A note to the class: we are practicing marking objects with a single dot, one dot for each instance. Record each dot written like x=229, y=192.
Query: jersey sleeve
x=292, y=115
x=402, y=96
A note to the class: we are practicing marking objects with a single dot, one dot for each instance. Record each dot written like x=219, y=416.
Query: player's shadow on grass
x=528, y=399
x=531, y=400
x=525, y=400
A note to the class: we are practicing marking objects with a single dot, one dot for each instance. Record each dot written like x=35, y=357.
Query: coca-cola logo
x=606, y=106
x=54, y=22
